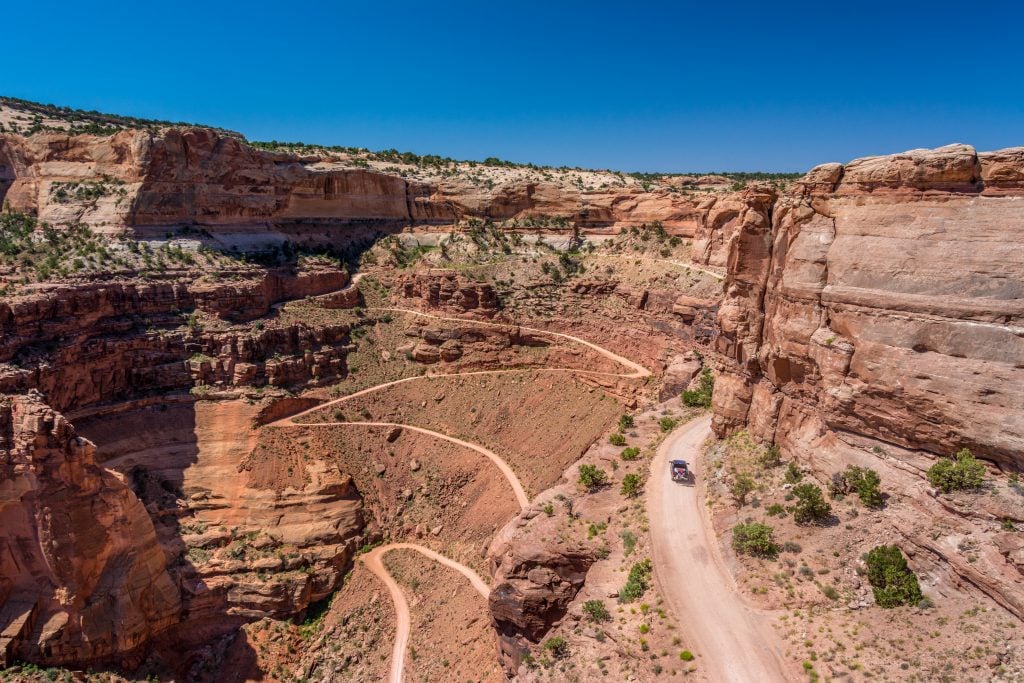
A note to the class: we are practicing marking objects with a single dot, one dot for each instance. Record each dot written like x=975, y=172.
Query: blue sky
x=657, y=86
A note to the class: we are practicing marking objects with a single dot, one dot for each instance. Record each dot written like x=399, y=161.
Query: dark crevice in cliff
x=409, y=200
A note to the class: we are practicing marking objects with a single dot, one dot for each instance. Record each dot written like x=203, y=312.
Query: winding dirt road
x=679, y=264
x=732, y=641
x=374, y=561
x=638, y=370
x=510, y=475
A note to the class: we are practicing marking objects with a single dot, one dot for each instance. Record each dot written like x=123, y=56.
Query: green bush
x=686, y=656
x=811, y=506
x=631, y=453
x=830, y=592
x=701, y=398
x=741, y=486
x=617, y=439
x=772, y=457
x=628, y=542
x=754, y=538
x=557, y=646
x=631, y=485
x=965, y=473
x=892, y=581
x=637, y=583
x=625, y=422
x=596, y=611
x=667, y=424
x=868, y=488
x=592, y=477
x=863, y=481
x=793, y=474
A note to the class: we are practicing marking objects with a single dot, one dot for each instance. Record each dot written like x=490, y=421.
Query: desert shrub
x=863, y=481
x=741, y=486
x=829, y=592
x=811, y=506
x=626, y=422
x=617, y=439
x=964, y=473
x=637, y=583
x=631, y=485
x=667, y=424
x=631, y=453
x=628, y=542
x=701, y=397
x=596, y=611
x=892, y=581
x=754, y=538
x=592, y=477
x=793, y=474
x=686, y=656
x=772, y=457
x=868, y=488
x=838, y=485
x=776, y=509
x=557, y=646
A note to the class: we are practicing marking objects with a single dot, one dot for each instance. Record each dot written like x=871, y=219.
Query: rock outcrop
x=82, y=575
x=450, y=291
x=533, y=587
x=134, y=338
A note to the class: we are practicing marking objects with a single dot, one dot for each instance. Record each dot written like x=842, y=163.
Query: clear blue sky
x=656, y=86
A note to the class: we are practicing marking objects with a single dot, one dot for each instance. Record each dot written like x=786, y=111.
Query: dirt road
x=637, y=369
x=731, y=641
x=503, y=467
x=374, y=561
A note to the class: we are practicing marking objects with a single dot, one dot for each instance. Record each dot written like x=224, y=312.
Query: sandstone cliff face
x=152, y=181
x=888, y=302
x=879, y=310
x=82, y=574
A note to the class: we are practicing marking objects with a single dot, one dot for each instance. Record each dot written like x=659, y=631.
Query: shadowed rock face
x=81, y=570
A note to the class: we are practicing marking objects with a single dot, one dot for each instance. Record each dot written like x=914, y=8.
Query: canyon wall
x=875, y=317
x=886, y=298
x=132, y=338
x=82, y=574
x=150, y=182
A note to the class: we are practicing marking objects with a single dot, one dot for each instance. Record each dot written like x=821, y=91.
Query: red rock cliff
x=886, y=299
x=201, y=177
x=82, y=574
x=876, y=318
